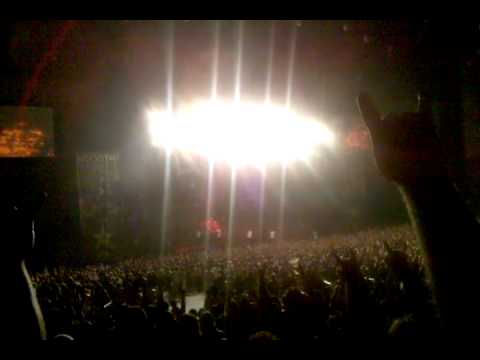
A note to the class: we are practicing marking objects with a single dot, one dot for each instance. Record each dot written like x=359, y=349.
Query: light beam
x=288, y=102
x=169, y=148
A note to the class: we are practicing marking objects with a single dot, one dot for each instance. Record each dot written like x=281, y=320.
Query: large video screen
x=26, y=132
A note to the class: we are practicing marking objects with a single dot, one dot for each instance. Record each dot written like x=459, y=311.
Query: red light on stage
x=212, y=226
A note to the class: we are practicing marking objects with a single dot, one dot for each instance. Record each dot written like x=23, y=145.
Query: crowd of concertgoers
x=371, y=283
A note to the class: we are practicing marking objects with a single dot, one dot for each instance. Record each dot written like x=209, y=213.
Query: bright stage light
x=239, y=133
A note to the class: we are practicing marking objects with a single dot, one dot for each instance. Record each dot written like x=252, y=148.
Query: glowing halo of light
x=239, y=133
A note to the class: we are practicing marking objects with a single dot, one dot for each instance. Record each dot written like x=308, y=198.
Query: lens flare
x=239, y=133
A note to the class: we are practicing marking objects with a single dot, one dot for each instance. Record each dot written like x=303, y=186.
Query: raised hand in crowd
x=408, y=151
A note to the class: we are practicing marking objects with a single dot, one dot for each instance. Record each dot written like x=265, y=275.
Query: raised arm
x=22, y=318
x=408, y=152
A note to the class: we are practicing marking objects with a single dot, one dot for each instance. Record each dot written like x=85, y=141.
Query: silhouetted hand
x=405, y=145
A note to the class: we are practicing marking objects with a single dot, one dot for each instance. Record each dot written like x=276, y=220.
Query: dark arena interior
x=238, y=181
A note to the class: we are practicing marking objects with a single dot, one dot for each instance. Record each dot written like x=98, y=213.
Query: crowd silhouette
x=340, y=286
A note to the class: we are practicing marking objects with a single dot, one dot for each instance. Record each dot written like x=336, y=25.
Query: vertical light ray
x=288, y=102
x=211, y=161
x=169, y=51
x=268, y=95
x=233, y=180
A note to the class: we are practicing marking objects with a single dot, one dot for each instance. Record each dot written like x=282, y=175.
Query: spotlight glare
x=240, y=133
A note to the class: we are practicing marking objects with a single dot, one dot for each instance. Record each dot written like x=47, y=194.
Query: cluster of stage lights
x=239, y=133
